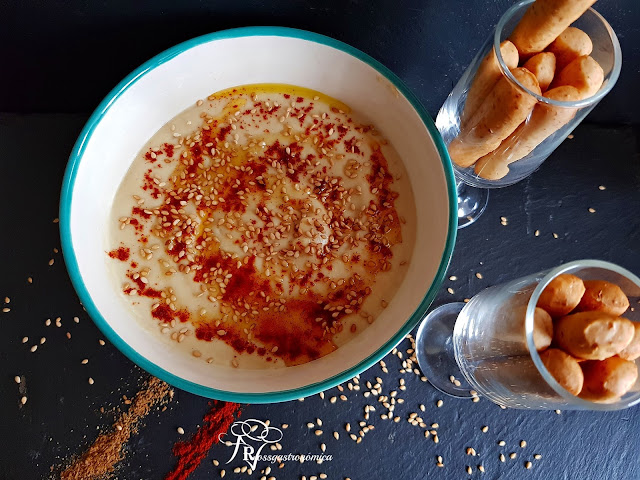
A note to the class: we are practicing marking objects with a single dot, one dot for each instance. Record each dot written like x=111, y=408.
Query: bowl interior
x=173, y=81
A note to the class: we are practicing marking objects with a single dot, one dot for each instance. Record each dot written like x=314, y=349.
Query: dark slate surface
x=66, y=56
x=62, y=414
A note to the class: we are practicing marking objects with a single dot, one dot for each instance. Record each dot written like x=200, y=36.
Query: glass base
x=471, y=203
x=434, y=348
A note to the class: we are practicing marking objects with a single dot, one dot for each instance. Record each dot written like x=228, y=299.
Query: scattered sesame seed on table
x=53, y=411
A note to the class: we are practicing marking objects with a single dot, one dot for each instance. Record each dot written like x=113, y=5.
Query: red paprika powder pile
x=190, y=453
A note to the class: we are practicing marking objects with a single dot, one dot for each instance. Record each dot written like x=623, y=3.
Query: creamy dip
x=264, y=226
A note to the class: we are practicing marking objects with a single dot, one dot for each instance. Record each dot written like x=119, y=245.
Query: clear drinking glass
x=484, y=346
x=472, y=187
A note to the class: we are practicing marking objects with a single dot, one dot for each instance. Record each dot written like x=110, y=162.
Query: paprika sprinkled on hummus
x=266, y=218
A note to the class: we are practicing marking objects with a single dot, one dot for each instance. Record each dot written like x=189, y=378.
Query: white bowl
x=173, y=81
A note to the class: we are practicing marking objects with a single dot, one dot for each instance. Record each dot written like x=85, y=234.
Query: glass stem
x=471, y=203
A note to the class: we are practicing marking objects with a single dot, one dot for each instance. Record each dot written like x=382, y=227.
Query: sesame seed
x=6, y=310
x=318, y=433
x=537, y=456
x=34, y=348
x=602, y=187
x=513, y=455
x=481, y=468
x=23, y=400
x=523, y=444
x=17, y=378
x=101, y=342
x=502, y=443
x=180, y=430
x=453, y=278
x=485, y=429
x=91, y=382
x=29, y=279
x=592, y=210
x=85, y=361
x=502, y=458
x=528, y=465
x=7, y=300
x=479, y=275
x=51, y=262
x=469, y=470
x=439, y=403
x=25, y=339
x=450, y=290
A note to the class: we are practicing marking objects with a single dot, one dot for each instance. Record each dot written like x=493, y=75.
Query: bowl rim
x=252, y=397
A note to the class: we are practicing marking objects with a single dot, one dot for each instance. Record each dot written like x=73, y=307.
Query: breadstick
x=583, y=73
x=487, y=75
x=542, y=329
x=543, y=21
x=561, y=295
x=603, y=297
x=511, y=338
x=544, y=121
x=564, y=368
x=609, y=379
x=593, y=335
x=632, y=351
x=543, y=66
x=501, y=112
x=570, y=44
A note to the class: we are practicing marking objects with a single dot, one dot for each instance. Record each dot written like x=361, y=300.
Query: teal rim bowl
x=71, y=258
